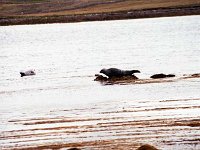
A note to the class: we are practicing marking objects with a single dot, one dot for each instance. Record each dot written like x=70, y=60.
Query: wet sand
x=120, y=128
x=166, y=124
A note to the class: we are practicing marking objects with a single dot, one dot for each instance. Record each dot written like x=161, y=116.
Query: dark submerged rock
x=196, y=75
x=161, y=75
x=170, y=75
x=74, y=148
x=147, y=147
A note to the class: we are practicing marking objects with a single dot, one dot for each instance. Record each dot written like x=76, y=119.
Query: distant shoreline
x=120, y=15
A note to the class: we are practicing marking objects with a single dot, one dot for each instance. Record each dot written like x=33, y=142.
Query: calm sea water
x=66, y=57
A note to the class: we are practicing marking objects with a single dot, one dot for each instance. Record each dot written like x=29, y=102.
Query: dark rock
x=196, y=75
x=74, y=148
x=161, y=75
x=113, y=79
x=124, y=78
x=147, y=147
x=170, y=75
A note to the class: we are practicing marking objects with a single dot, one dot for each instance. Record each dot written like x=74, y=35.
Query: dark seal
x=161, y=75
x=114, y=72
x=27, y=73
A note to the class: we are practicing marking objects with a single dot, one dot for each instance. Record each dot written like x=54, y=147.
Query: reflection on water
x=62, y=104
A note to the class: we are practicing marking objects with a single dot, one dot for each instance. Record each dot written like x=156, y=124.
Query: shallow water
x=66, y=57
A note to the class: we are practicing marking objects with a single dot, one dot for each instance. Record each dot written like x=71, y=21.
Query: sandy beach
x=111, y=127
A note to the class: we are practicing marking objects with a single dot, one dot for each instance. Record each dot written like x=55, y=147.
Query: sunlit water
x=66, y=57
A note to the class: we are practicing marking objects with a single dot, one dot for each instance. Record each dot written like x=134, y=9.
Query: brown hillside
x=69, y=7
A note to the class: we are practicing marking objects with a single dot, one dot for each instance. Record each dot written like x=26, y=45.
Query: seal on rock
x=27, y=73
x=114, y=72
x=161, y=75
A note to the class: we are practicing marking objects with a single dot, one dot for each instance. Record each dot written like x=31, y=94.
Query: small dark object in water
x=161, y=75
x=196, y=75
x=27, y=73
x=147, y=147
x=170, y=75
x=74, y=148
x=114, y=72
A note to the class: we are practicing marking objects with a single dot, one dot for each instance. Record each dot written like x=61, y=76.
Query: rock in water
x=196, y=75
x=74, y=148
x=161, y=75
x=147, y=147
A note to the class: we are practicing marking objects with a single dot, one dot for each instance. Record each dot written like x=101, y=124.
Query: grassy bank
x=15, y=12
